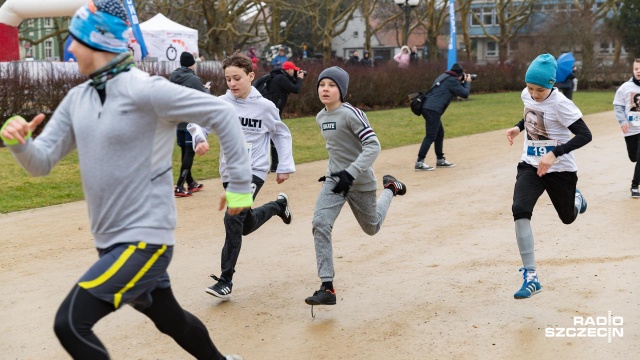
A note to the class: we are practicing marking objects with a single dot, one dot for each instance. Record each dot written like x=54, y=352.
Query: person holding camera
x=284, y=81
x=451, y=83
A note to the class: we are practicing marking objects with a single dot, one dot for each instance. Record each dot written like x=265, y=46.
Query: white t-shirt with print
x=546, y=126
x=624, y=96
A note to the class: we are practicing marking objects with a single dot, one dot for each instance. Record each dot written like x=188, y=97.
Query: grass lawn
x=396, y=127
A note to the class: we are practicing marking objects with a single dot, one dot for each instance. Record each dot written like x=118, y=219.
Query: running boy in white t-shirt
x=627, y=107
x=547, y=163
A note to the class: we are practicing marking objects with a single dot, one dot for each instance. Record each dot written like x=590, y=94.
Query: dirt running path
x=437, y=282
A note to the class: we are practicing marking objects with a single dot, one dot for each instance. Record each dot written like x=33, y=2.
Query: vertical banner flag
x=135, y=26
x=452, y=54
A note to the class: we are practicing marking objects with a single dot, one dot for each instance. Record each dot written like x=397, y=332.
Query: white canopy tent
x=165, y=39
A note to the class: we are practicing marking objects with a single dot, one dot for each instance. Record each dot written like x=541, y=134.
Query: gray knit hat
x=339, y=76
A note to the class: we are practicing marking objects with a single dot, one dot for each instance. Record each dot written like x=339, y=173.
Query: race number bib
x=634, y=118
x=248, y=146
x=539, y=148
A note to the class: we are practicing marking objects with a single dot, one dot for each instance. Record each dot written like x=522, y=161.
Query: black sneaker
x=195, y=187
x=221, y=289
x=179, y=191
x=391, y=183
x=322, y=297
x=635, y=192
x=286, y=214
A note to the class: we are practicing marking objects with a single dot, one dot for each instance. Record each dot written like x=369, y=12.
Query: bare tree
x=464, y=10
x=329, y=18
x=376, y=15
x=511, y=16
x=590, y=12
x=223, y=25
x=432, y=15
x=276, y=13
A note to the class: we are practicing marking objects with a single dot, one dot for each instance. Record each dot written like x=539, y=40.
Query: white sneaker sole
x=533, y=293
x=218, y=295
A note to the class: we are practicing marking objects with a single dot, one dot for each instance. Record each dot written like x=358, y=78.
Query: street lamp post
x=407, y=4
x=283, y=25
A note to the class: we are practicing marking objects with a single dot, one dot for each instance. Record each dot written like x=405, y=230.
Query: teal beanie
x=542, y=71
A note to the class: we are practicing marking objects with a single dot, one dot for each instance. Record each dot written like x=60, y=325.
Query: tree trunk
x=464, y=25
x=503, y=49
x=275, y=25
x=617, y=49
x=587, y=60
x=367, y=26
x=326, y=49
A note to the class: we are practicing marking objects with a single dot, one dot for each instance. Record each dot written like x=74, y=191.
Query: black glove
x=345, y=180
x=322, y=179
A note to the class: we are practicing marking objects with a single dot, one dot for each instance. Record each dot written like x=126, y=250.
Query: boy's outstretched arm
x=515, y=131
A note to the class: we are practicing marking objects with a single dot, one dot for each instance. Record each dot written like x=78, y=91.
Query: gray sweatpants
x=370, y=216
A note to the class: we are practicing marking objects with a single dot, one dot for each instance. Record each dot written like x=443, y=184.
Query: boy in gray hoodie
x=122, y=123
x=261, y=124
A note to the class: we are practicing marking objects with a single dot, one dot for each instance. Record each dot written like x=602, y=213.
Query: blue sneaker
x=531, y=285
x=580, y=200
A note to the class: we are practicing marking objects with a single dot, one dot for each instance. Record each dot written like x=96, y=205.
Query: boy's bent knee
x=569, y=219
x=371, y=230
x=318, y=225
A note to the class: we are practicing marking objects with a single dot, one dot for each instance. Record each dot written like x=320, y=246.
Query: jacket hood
x=180, y=75
x=254, y=95
x=281, y=72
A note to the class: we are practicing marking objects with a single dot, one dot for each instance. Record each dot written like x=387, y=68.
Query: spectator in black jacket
x=450, y=84
x=186, y=76
x=354, y=59
x=366, y=60
x=413, y=56
x=567, y=85
x=285, y=80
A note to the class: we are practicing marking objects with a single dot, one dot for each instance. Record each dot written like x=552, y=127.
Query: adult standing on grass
x=567, y=85
x=260, y=123
x=185, y=75
x=546, y=165
x=122, y=121
x=284, y=81
x=627, y=108
x=451, y=83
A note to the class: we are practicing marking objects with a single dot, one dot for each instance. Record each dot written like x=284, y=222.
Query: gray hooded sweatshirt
x=125, y=147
